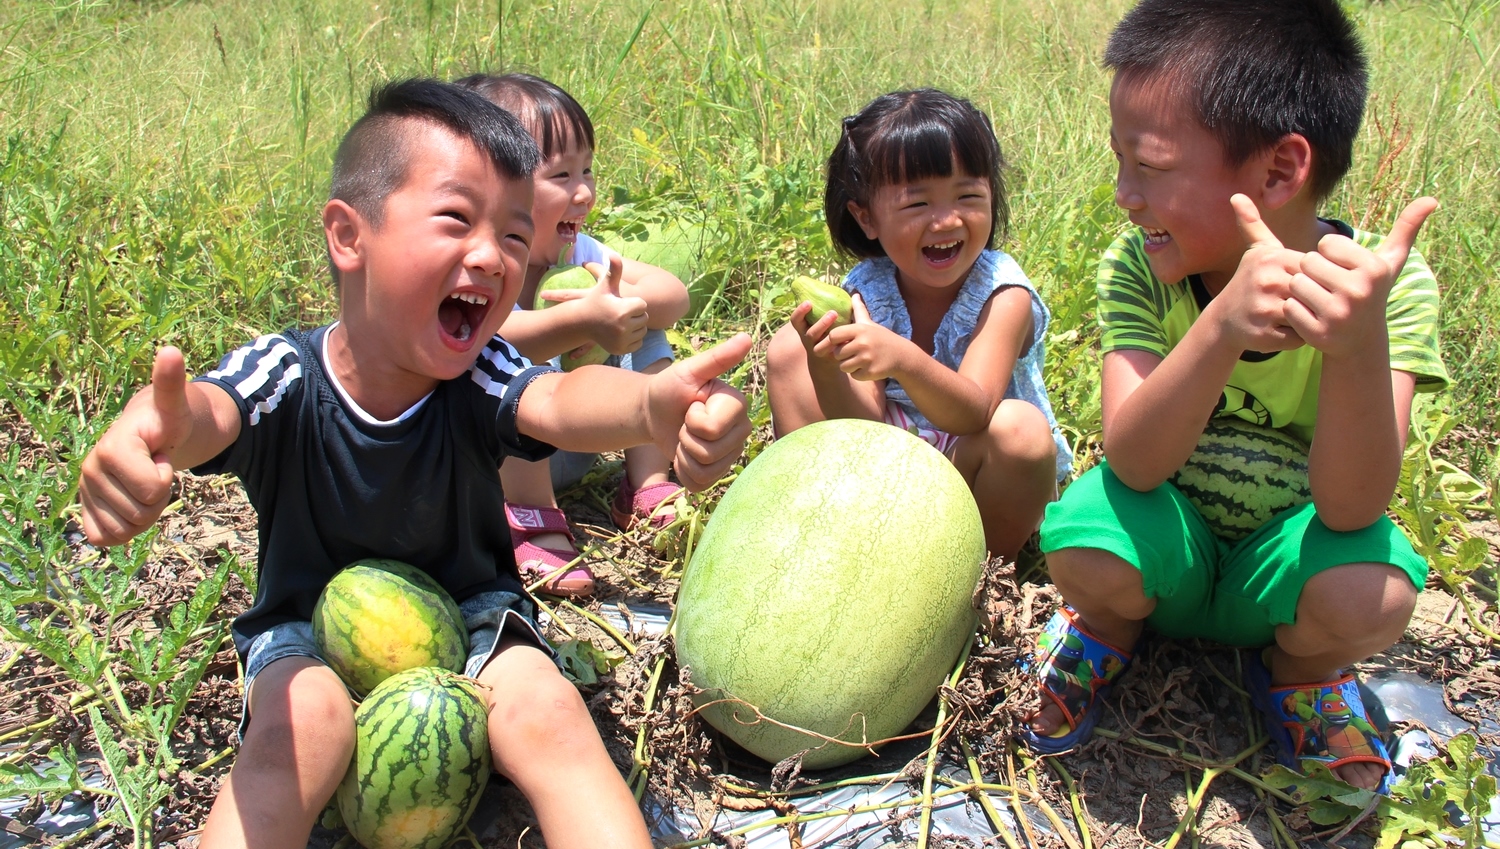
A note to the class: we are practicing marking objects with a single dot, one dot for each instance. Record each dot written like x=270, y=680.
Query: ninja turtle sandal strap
x=1327, y=724
x=1074, y=665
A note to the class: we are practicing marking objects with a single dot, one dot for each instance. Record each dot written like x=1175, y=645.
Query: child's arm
x=839, y=395
x=666, y=297
x=1155, y=408
x=615, y=317
x=602, y=315
x=958, y=402
x=1338, y=304
x=685, y=411
x=126, y=480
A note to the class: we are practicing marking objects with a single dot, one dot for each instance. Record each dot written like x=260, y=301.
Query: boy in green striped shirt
x=1231, y=121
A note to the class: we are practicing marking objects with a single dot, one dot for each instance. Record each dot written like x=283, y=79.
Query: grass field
x=164, y=164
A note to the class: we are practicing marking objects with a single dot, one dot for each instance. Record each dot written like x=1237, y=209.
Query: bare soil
x=1183, y=696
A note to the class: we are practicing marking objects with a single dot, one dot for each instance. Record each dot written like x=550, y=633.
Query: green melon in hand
x=830, y=592
x=380, y=617
x=566, y=277
x=421, y=761
x=825, y=298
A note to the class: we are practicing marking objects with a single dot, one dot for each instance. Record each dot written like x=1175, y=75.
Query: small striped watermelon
x=421, y=761
x=379, y=617
x=1242, y=474
x=831, y=591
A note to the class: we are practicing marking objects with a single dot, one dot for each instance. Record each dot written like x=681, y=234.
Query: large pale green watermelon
x=421, y=760
x=379, y=617
x=831, y=591
x=1242, y=474
x=677, y=246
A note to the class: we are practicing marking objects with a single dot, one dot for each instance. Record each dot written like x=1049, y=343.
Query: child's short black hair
x=373, y=159
x=904, y=136
x=1255, y=71
x=552, y=115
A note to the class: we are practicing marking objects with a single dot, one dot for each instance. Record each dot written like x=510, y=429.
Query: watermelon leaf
x=583, y=662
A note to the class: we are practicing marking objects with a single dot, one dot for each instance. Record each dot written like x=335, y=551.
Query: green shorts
x=1205, y=586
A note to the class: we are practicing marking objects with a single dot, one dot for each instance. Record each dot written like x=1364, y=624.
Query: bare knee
x=1018, y=439
x=543, y=715
x=789, y=386
x=1359, y=603
x=1092, y=578
x=1022, y=432
x=299, y=713
x=785, y=354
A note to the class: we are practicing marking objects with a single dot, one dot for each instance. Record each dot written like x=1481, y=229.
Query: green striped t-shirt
x=1139, y=312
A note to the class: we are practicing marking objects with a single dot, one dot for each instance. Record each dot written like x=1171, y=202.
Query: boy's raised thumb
x=715, y=361
x=1403, y=235
x=1255, y=231
x=169, y=395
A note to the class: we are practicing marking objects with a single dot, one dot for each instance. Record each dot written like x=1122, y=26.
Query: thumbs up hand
x=126, y=480
x=1251, y=309
x=1338, y=297
x=697, y=419
x=616, y=322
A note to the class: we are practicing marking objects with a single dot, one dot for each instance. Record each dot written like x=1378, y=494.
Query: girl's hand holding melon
x=615, y=322
x=863, y=349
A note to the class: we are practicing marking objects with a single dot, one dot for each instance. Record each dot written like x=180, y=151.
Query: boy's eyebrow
x=459, y=187
x=451, y=186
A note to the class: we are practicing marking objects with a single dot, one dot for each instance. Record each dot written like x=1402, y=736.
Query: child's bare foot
x=1048, y=720
x=1365, y=776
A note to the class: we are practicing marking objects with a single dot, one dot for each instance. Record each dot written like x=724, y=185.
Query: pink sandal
x=538, y=563
x=652, y=503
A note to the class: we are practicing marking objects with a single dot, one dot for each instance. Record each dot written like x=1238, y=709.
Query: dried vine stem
x=939, y=729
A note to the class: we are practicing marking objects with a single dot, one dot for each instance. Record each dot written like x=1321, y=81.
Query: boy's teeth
x=472, y=298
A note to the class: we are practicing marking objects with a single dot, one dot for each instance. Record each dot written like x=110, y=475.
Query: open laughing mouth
x=567, y=231
x=944, y=253
x=460, y=315
x=1156, y=238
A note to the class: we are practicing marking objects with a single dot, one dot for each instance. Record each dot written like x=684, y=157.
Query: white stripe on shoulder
x=269, y=404
x=261, y=373
x=497, y=364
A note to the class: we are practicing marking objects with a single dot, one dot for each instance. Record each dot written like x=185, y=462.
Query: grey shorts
x=486, y=616
x=569, y=467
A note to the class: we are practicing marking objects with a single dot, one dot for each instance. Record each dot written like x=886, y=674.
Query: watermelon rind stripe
x=421, y=745
x=1241, y=475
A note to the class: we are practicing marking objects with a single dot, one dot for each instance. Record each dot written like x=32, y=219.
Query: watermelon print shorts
x=1204, y=586
x=486, y=616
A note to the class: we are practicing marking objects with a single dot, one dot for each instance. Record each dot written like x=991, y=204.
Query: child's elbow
x=673, y=306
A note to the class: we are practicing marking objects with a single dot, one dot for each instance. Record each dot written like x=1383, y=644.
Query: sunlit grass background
x=163, y=165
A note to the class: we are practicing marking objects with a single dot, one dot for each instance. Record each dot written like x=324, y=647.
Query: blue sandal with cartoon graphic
x=1317, y=723
x=1073, y=670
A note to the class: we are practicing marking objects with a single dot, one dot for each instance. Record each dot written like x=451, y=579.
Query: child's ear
x=344, y=227
x=1288, y=169
x=862, y=218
